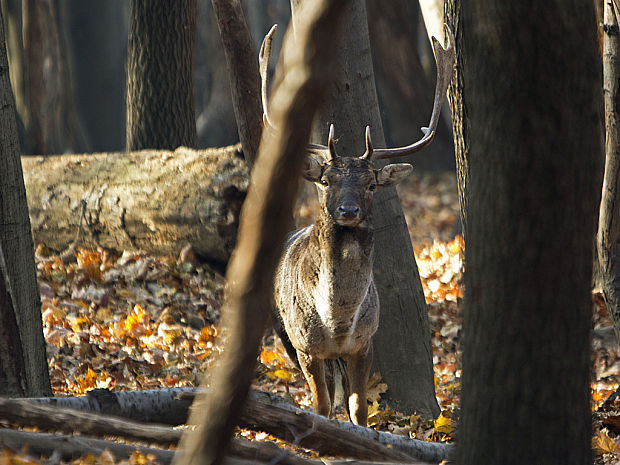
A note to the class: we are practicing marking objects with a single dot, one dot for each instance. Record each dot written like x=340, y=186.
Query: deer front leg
x=358, y=369
x=314, y=371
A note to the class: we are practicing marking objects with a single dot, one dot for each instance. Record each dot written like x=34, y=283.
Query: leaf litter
x=137, y=321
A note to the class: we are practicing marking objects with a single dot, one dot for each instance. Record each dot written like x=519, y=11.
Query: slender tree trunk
x=243, y=74
x=18, y=260
x=263, y=228
x=533, y=185
x=160, y=61
x=609, y=219
x=402, y=346
x=458, y=110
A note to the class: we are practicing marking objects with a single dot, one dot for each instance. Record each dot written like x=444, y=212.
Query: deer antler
x=263, y=64
x=445, y=58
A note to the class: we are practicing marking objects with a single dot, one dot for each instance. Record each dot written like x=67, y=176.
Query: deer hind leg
x=313, y=369
x=358, y=369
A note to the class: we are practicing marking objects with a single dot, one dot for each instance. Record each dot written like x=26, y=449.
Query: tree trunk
x=308, y=59
x=160, y=62
x=609, y=220
x=243, y=74
x=402, y=345
x=18, y=256
x=404, y=90
x=156, y=201
x=533, y=184
x=458, y=110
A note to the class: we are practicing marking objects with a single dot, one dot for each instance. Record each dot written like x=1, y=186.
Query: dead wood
x=157, y=201
x=72, y=447
x=67, y=447
x=264, y=412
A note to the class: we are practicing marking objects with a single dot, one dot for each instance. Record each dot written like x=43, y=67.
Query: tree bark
x=18, y=251
x=532, y=187
x=402, y=345
x=160, y=63
x=263, y=227
x=458, y=109
x=243, y=74
x=156, y=201
x=609, y=219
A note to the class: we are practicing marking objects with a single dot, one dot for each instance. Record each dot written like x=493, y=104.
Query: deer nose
x=348, y=211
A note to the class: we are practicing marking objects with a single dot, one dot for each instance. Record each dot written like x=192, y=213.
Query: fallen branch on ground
x=266, y=412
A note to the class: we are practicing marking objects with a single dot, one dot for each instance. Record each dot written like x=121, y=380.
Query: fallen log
x=265, y=412
x=156, y=201
x=67, y=447
x=24, y=412
x=243, y=452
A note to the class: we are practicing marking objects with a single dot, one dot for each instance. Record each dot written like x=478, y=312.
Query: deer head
x=348, y=183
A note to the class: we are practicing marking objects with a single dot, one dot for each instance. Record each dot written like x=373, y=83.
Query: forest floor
x=143, y=322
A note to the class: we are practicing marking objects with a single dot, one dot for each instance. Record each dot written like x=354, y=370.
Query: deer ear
x=312, y=170
x=393, y=174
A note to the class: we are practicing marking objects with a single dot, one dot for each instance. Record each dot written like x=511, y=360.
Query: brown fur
x=326, y=303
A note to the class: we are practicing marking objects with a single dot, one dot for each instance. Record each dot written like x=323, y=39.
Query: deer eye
x=324, y=182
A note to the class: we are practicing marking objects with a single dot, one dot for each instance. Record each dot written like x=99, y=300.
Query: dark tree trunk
x=21, y=306
x=532, y=189
x=405, y=92
x=402, y=346
x=160, y=62
x=609, y=220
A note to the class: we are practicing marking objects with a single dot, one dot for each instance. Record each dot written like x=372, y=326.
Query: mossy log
x=156, y=201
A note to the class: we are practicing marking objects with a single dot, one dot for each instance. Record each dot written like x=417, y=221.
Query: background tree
x=22, y=351
x=402, y=346
x=609, y=219
x=160, y=61
x=530, y=106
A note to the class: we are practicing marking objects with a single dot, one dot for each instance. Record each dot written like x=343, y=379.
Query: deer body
x=325, y=302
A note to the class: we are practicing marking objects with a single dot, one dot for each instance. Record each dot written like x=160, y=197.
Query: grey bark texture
x=18, y=253
x=532, y=188
x=402, y=345
x=263, y=226
x=160, y=63
x=157, y=201
x=609, y=218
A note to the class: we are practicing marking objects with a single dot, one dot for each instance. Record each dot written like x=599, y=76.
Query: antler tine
x=369, y=149
x=445, y=58
x=263, y=64
x=331, y=146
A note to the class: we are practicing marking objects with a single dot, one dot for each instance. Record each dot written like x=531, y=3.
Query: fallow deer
x=326, y=302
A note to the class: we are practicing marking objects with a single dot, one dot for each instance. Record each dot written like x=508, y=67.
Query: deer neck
x=340, y=259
